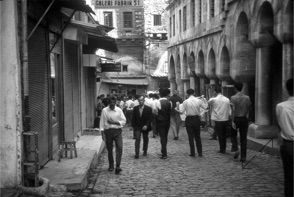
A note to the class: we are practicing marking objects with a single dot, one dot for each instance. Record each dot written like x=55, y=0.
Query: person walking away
x=175, y=118
x=141, y=123
x=285, y=114
x=241, y=106
x=129, y=110
x=155, y=98
x=162, y=110
x=193, y=106
x=220, y=114
x=111, y=123
x=99, y=107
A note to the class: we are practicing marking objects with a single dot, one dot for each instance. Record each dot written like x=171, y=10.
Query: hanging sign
x=111, y=67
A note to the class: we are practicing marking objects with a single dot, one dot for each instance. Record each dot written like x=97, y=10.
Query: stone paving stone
x=213, y=174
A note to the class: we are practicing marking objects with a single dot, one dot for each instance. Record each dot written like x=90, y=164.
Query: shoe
x=222, y=152
x=242, y=159
x=192, y=155
x=236, y=155
x=136, y=156
x=117, y=170
x=200, y=155
x=163, y=157
x=110, y=169
x=144, y=154
x=213, y=138
x=175, y=138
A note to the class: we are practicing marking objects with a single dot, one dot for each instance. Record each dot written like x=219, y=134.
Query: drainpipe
x=24, y=59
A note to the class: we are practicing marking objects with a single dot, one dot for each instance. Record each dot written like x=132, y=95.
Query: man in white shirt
x=220, y=114
x=193, y=106
x=111, y=123
x=285, y=114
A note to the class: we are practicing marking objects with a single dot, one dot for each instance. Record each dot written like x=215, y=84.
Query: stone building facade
x=142, y=44
x=220, y=42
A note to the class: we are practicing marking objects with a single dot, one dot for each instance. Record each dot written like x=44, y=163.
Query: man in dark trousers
x=162, y=110
x=241, y=106
x=175, y=118
x=111, y=124
x=285, y=114
x=192, y=106
x=141, y=123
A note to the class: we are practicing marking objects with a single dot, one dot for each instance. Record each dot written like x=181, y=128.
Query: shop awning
x=126, y=81
x=100, y=42
x=78, y=5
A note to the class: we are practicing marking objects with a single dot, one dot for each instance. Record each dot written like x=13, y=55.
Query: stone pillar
x=173, y=85
x=192, y=82
x=11, y=105
x=180, y=88
x=262, y=103
x=186, y=83
x=262, y=127
x=287, y=66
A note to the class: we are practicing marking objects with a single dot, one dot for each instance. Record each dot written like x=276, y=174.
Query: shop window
x=125, y=68
x=157, y=20
x=128, y=19
x=108, y=19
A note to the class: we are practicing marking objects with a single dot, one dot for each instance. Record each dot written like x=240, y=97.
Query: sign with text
x=100, y=3
x=111, y=67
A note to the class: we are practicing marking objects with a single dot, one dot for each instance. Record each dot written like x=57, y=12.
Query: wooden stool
x=68, y=146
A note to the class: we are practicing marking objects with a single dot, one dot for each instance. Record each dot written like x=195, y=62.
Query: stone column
x=186, y=83
x=262, y=103
x=287, y=66
x=173, y=85
x=192, y=82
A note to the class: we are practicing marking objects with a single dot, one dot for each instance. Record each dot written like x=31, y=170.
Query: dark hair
x=239, y=86
x=156, y=96
x=112, y=98
x=218, y=89
x=190, y=91
x=164, y=92
x=150, y=95
x=289, y=86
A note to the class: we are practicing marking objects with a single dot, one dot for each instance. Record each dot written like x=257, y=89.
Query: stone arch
x=200, y=65
x=172, y=74
x=244, y=58
x=265, y=25
x=210, y=67
x=223, y=68
x=172, y=69
x=185, y=69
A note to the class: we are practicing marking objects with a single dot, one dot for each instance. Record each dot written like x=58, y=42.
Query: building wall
x=11, y=105
x=245, y=41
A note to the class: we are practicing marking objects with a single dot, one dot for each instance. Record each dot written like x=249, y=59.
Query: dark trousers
x=221, y=130
x=138, y=140
x=192, y=124
x=154, y=126
x=233, y=136
x=286, y=150
x=242, y=125
x=162, y=128
x=116, y=136
x=129, y=115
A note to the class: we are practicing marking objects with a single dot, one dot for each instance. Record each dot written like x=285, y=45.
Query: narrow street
x=214, y=174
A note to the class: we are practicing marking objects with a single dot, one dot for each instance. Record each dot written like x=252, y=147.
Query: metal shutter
x=71, y=90
x=39, y=89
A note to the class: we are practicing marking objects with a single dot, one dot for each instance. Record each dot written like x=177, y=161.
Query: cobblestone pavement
x=214, y=174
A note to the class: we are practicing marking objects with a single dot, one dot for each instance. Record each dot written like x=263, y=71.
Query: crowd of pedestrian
x=162, y=113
